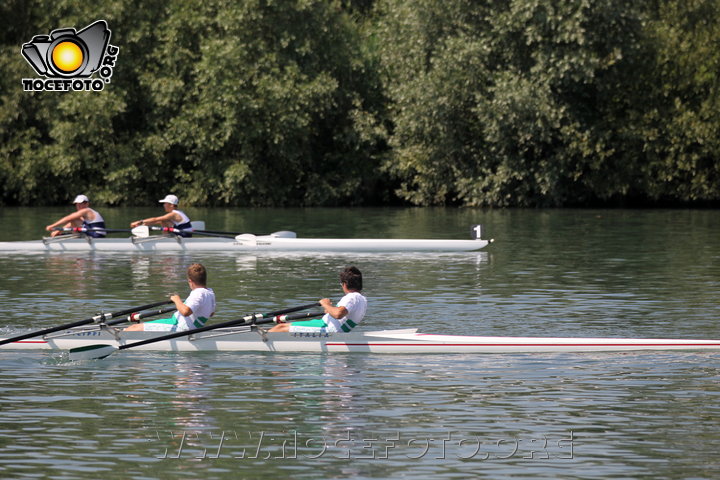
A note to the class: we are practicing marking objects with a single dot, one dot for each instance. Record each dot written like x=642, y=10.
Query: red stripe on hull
x=423, y=344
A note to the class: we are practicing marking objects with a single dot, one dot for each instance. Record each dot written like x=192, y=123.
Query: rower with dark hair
x=343, y=317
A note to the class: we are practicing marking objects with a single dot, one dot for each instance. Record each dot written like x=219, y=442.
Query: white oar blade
x=142, y=231
x=91, y=352
x=284, y=234
x=198, y=225
x=247, y=239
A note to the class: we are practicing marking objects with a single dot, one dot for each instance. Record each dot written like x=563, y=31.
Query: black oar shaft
x=231, y=323
x=289, y=318
x=214, y=232
x=135, y=316
x=211, y=234
x=96, y=319
x=173, y=230
x=91, y=229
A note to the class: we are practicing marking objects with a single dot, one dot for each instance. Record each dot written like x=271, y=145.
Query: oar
x=280, y=234
x=247, y=239
x=96, y=319
x=251, y=240
x=136, y=316
x=86, y=230
x=213, y=232
x=176, y=231
x=98, y=351
x=289, y=318
x=204, y=233
x=141, y=231
x=244, y=237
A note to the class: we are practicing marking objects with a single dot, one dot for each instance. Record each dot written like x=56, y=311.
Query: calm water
x=219, y=415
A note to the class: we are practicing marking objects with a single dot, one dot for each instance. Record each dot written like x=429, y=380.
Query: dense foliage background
x=426, y=102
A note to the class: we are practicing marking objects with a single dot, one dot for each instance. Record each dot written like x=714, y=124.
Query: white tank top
x=184, y=220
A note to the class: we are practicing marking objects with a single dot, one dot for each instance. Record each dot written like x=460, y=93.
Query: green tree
x=510, y=103
x=681, y=131
x=54, y=145
x=221, y=102
x=261, y=103
x=310, y=102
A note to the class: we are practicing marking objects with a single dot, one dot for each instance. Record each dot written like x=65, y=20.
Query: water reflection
x=246, y=263
x=140, y=268
x=85, y=271
x=173, y=417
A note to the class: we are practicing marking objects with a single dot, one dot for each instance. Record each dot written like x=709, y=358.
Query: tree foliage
x=315, y=102
x=221, y=102
x=544, y=103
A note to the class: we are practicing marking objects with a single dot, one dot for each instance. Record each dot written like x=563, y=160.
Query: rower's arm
x=68, y=218
x=154, y=220
x=335, y=312
x=182, y=309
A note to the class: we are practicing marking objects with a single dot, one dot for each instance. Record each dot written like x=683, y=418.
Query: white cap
x=170, y=199
x=81, y=199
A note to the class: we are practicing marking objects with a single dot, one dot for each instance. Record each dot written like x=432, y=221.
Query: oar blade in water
x=91, y=352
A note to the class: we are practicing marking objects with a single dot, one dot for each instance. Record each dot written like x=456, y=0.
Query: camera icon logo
x=67, y=54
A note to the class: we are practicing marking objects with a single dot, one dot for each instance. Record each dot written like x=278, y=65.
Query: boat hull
x=384, y=342
x=230, y=245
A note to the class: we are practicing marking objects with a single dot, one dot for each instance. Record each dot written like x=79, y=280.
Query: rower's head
x=351, y=278
x=81, y=201
x=170, y=202
x=197, y=274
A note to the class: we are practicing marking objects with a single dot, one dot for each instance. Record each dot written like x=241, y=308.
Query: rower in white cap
x=173, y=217
x=84, y=217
